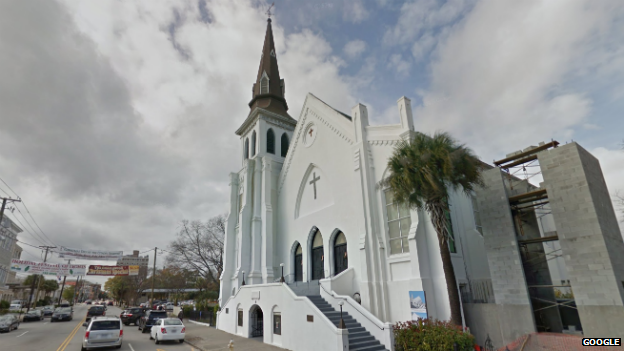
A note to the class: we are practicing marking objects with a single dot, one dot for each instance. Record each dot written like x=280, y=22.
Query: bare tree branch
x=198, y=247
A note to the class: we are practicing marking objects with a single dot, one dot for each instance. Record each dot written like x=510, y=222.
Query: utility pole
x=47, y=248
x=4, y=202
x=63, y=287
x=153, y=278
x=78, y=280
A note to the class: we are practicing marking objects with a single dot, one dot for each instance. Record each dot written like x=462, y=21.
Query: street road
x=62, y=336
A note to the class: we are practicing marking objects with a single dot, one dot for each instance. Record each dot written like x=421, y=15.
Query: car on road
x=9, y=322
x=62, y=314
x=102, y=332
x=47, y=310
x=88, y=302
x=110, y=303
x=33, y=315
x=132, y=315
x=95, y=311
x=168, y=306
x=147, y=321
x=168, y=329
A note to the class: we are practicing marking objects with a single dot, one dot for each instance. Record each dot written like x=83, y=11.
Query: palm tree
x=422, y=170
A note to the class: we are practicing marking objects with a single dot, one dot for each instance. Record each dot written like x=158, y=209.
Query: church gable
x=318, y=117
x=315, y=192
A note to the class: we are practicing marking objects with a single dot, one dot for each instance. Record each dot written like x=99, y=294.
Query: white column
x=268, y=234
x=229, y=242
x=255, y=274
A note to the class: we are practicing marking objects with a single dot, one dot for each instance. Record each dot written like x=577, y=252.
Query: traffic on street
x=62, y=335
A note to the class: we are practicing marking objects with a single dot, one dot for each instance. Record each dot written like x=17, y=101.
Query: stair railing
x=384, y=332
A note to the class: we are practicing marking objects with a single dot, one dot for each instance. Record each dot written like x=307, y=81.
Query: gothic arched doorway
x=298, y=263
x=256, y=321
x=318, y=257
x=341, y=260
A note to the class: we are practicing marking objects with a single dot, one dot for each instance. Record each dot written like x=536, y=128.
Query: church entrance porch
x=256, y=322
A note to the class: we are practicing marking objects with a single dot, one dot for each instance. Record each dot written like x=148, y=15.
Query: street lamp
x=282, y=265
x=243, y=278
x=341, y=325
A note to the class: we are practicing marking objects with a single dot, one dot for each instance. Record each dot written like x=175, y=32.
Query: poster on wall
x=113, y=270
x=45, y=268
x=418, y=305
x=66, y=252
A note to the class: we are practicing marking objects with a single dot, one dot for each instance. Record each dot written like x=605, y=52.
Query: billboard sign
x=46, y=268
x=100, y=255
x=113, y=270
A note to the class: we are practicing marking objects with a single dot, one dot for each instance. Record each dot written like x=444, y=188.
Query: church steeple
x=268, y=91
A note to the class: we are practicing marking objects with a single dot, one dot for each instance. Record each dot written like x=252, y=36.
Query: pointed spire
x=268, y=91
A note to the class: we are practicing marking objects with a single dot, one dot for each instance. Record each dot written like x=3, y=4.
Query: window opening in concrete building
x=550, y=293
x=298, y=264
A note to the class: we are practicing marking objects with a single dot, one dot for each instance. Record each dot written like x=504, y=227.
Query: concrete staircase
x=359, y=338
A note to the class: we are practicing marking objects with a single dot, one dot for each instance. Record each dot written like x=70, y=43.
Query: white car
x=102, y=332
x=168, y=329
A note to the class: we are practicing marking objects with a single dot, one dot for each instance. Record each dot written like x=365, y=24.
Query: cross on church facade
x=313, y=182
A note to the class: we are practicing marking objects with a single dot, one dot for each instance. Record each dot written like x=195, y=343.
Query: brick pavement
x=206, y=338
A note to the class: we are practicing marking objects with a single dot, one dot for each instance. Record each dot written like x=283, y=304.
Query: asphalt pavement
x=67, y=335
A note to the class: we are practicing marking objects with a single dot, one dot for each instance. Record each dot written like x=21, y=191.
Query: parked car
x=168, y=329
x=9, y=322
x=95, y=311
x=48, y=311
x=132, y=315
x=33, y=315
x=88, y=302
x=102, y=332
x=147, y=321
x=110, y=303
x=62, y=314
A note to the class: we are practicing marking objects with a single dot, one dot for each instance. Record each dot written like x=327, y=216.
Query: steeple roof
x=273, y=100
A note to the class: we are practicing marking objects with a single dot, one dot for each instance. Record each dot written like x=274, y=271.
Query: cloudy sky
x=118, y=117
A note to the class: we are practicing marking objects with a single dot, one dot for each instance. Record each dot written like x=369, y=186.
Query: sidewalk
x=210, y=339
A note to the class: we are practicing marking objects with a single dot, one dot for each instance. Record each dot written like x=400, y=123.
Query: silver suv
x=102, y=332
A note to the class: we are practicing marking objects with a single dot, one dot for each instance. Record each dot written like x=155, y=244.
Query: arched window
x=246, y=148
x=341, y=260
x=284, y=144
x=270, y=142
x=264, y=85
x=298, y=263
x=253, y=144
x=318, y=257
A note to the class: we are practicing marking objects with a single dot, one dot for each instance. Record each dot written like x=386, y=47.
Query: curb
x=195, y=346
x=200, y=323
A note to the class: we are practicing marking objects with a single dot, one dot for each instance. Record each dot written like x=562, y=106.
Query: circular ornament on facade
x=309, y=134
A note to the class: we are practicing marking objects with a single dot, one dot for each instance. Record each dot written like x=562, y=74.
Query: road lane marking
x=131, y=347
x=70, y=336
x=22, y=334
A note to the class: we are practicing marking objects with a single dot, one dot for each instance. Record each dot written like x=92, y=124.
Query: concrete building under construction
x=555, y=251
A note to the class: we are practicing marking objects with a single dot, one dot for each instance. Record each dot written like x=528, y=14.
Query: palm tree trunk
x=439, y=222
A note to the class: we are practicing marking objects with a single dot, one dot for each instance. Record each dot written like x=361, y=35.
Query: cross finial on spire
x=269, y=10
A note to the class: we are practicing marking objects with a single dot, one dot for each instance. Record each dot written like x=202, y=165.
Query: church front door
x=317, y=263
x=299, y=268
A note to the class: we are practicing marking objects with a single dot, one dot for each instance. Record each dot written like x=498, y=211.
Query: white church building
x=307, y=202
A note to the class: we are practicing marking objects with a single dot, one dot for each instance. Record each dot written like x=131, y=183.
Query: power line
x=27, y=210
x=33, y=218
x=38, y=238
x=30, y=225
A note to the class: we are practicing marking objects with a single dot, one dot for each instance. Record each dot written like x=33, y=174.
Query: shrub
x=431, y=335
x=4, y=305
x=187, y=310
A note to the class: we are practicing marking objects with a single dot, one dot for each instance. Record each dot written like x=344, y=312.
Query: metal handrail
x=374, y=323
